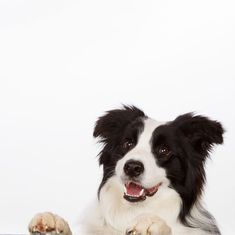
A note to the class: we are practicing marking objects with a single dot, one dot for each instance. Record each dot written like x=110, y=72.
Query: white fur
x=142, y=152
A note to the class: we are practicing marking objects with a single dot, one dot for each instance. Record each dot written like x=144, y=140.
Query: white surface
x=62, y=63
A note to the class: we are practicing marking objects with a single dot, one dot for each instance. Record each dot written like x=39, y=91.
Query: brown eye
x=128, y=144
x=164, y=151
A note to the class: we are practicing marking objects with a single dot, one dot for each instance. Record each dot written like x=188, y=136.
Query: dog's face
x=146, y=155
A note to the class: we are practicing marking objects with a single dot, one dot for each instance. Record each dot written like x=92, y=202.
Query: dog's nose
x=133, y=168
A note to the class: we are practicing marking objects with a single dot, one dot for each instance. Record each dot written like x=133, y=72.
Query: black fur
x=113, y=128
x=189, y=139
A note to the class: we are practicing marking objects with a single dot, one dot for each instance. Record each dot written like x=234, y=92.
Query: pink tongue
x=152, y=190
x=133, y=189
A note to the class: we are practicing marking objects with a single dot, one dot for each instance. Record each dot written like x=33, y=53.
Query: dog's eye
x=164, y=151
x=128, y=144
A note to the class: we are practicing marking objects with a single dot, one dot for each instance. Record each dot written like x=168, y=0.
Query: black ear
x=201, y=132
x=115, y=121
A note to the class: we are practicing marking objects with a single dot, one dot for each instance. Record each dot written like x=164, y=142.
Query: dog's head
x=146, y=155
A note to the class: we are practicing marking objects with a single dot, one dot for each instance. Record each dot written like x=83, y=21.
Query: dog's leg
x=148, y=225
x=48, y=222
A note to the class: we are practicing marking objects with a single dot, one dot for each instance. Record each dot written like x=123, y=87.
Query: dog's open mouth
x=135, y=192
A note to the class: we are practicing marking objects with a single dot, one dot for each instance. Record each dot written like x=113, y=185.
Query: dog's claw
x=45, y=223
x=149, y=225
x=132, y=232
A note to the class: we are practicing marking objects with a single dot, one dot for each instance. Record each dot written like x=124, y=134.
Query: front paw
x=49, y=223
x=146, y=225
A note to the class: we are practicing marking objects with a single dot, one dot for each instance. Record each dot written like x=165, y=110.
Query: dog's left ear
x=201, y=132
x=114, y=121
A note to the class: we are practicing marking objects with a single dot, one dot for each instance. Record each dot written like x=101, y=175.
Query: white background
x=63, y=63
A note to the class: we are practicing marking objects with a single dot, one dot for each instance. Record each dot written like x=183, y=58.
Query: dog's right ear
x=115, y=121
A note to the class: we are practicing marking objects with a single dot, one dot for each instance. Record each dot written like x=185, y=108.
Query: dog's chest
x=119, y=214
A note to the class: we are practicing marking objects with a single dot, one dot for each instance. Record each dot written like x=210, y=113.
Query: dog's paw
x=146, y=225
x=48, y=223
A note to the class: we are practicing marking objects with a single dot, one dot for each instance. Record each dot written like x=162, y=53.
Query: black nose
x=133, y=168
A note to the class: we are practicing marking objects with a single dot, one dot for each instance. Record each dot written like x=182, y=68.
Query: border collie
x=153, y=177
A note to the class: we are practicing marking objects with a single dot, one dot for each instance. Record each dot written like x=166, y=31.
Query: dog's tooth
x=125, y=190
x=142, y=191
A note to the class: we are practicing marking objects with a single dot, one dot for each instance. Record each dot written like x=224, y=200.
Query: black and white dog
x=153, y=177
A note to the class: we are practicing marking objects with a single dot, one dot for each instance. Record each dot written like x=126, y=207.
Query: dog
x=153, y=177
